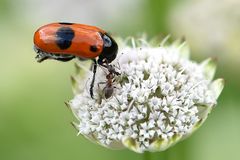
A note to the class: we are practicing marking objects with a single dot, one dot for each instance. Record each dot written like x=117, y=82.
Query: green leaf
x=116, y=145
x=159, y=145
x=81, y=67
x=131, y=144
x=184, y=50
x=75, y=86
x=164, y=41
x=209, y=66
x=217, y=86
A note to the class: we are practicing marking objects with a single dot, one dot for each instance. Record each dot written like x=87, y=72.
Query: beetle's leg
x=93, y=79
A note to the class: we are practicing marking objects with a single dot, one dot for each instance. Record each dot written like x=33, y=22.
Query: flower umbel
x=160, y=98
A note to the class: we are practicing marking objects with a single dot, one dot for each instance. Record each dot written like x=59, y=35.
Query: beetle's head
x=110, y=49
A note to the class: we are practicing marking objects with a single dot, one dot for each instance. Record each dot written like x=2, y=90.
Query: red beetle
x=65, y=41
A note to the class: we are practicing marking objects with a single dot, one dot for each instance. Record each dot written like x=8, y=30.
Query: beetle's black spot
x=65, y=23
x=64, y=36
x=93, y=48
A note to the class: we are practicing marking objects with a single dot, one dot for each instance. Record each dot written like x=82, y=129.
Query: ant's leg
x=118, y=67
x=103, y=69
x=101, y=83
x=110, y=68
x=93, y=79
x=103, y=65
x=102, y=91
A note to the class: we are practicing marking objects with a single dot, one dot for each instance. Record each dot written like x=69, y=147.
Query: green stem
x=146, y=155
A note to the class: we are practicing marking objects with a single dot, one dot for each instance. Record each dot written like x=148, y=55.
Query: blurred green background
x=34, y=122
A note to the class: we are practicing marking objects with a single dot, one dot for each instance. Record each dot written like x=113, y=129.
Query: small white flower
x=160, y=98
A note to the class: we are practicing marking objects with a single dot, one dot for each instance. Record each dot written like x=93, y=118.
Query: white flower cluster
x=159, y=98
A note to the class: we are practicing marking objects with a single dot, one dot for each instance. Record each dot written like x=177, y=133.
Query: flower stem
x=146, y=155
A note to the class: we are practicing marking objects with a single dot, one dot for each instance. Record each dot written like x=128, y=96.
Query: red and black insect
x=65, y=41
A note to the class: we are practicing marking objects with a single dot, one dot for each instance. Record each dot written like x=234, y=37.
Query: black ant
x=105, y=64
x=109, y=88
